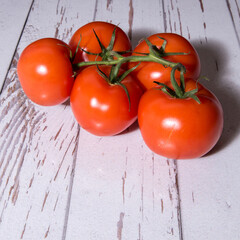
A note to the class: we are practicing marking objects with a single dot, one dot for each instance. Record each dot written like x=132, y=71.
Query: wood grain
x=121, y=190
x=9, y=32
x=209, y=186
x=233, y=7
x=38, y=149
x=57, y=181
x=131, y=191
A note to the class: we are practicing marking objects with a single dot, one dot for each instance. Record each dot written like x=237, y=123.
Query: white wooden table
x=59, y=182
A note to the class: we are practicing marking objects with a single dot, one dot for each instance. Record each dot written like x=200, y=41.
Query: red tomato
x=102, y=108
x=45, y=72
x=180, y=128
x=90, y=43
x=147, y=72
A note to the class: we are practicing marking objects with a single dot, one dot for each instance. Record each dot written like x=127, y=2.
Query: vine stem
x=155, y=55
x=121, y=60
x=176, y=92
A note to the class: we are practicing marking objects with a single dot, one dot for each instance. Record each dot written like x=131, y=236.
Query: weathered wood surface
x=13, y=15
x=209, y=187
x=59, y=182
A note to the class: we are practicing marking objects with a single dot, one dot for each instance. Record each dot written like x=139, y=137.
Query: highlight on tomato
x=180, y=127
x=95, y=41
x=102, y=105
x=45, y=71
x=173, y=48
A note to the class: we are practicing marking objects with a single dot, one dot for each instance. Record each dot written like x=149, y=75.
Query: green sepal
x=166, y=89
x=115, y=79
x=192, y=94
x=111, y=44
x=66, y=46
x=182, y=81
x=179, y=92
x=102, y=74
x=117, y=54
x=189, y=93
x=204, y=78
x=127, y=93
x=90, y=53
x=162, y=49
x=99, y=42
x=126, y=73
x=106, y=52
x=153, y=49
x=75, y=53
x=194, y=97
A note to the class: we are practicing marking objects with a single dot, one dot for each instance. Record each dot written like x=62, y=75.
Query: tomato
x=45, y=72
x=90, y=43
x=148, y=72
x=102, y=108
x=180, y=128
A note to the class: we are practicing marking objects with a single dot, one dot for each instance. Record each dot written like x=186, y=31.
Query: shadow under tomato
x=130, y=129
x=214, y=59
x=66, y=103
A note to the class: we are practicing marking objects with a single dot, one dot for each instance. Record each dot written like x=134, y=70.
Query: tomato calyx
x=178, y=91
x=71, y=55
x=160, y=52
x=75, y=53
x=111, y=57
x=115, y=79
x=107, y=53
x=156, y=54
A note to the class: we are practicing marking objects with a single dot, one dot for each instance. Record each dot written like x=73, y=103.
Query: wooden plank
x=233, y=7
x=38, y=144
x=13, y=14
x=209, y=187
x=61, y=183
x=121, y=189
x=147, y=19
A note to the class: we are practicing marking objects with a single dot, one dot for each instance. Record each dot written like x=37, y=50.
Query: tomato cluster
x=110, y=86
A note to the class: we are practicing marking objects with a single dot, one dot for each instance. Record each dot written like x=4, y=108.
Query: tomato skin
x=45, y=72
x=89, y=42
x=180, y=128
x=147, y=72
x=100, y=108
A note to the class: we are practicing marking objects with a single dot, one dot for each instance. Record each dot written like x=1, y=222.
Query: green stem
x=178, y=90
x=133, y=58
x=155, y=55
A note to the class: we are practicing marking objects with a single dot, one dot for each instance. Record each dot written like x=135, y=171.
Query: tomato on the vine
x=147, y=72
x=87, y=40
x=180, y=128
x=45, y=71
x=103, y=108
